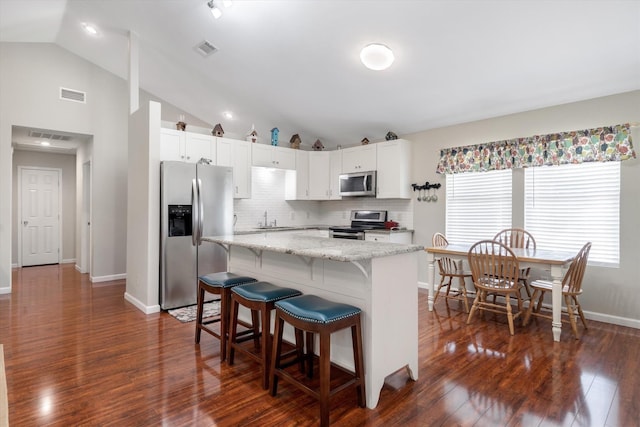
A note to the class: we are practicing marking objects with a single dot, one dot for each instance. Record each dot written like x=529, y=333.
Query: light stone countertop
x=343, y=250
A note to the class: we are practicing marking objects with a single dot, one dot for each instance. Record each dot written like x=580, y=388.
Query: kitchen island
x=379, y=278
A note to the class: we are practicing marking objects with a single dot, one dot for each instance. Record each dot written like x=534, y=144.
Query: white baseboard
x=68, y=261
x=14, y=265
x=591, y=315
x=97, y=279
x=5, y=290
x=146, y=309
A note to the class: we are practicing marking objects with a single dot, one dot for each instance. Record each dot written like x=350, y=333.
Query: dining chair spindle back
x=494, y=270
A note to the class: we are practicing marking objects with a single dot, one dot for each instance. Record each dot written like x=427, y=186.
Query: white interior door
x=85, y=227
x=40, y=216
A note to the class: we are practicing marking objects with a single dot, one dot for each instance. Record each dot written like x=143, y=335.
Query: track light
x=215, y=10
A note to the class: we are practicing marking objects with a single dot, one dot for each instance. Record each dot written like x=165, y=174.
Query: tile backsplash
x=268, y=193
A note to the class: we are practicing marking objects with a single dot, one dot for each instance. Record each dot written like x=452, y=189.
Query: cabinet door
x=261, y=155
x=242, y=169
x=319, y=175
x=172, y=144
x=237, y=154
x=302, y=175
x=376, y=237
x=359, y=159
x=198, y=146
x=284, y=158
x=394, y=169
x=335, y=169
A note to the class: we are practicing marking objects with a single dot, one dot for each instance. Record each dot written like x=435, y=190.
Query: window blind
x=478, y=205
x=569, y=205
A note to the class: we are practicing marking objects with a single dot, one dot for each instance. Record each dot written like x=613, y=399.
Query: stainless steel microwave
x=358, y=184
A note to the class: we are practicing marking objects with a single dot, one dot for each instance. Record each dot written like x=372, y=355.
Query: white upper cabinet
x=237, y=154
x=270, y=156
x=186, y=146
x=297, y=181
x=394, y=169
x=359, y=159
x=335, y=169
x=319, y=175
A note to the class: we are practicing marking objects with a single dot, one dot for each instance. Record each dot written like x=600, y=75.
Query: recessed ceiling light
x=228, y=114
x=90, y=29
x=376, y=56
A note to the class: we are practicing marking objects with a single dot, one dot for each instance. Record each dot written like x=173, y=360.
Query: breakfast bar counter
x=379, y=278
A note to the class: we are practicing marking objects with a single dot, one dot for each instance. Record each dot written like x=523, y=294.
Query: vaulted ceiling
x=295, y=64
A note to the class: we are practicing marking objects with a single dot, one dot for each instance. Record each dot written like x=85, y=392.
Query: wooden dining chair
x=571, y=288
x=518, y=238
x=451, y=269
x=495, y=269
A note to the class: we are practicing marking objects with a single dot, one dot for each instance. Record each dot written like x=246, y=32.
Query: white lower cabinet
x=404, y=237
x=237, y=154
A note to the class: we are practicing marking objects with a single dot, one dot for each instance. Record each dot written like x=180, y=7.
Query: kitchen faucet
x=266, y=224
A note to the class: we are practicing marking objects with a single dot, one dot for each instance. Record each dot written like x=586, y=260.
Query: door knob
x=25, y=223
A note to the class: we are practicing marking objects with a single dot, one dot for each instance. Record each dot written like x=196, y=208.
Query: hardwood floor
x=77, y=353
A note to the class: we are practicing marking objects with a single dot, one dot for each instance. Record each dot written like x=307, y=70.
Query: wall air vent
x=73, y=95
x=48, y=135
x=205, y=48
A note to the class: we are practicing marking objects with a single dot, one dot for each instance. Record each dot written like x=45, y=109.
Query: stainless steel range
x=360, y=222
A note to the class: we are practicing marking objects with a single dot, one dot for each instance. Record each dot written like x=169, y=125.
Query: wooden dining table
x=556, y=262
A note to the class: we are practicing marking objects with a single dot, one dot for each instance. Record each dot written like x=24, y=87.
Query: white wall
x=67, y=164
x=29, y=82
x=610, y=294
x=268, y=193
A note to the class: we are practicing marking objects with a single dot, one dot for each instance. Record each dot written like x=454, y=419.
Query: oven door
x=352, y=235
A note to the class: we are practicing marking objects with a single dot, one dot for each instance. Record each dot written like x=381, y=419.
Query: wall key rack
x=427, y=197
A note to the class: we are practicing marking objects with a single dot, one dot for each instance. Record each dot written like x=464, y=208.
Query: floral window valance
x=612, y=143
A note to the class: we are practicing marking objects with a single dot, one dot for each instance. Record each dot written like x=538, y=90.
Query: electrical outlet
x=292, y=215
x=308, y=214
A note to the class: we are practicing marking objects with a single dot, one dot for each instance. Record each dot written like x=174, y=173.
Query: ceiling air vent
x=73, y=95
x=205, y=48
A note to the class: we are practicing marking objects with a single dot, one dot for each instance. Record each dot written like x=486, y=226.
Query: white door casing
x=39, y=216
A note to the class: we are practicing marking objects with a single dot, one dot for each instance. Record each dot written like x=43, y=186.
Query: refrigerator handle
x=194, y=212
x=201, y=213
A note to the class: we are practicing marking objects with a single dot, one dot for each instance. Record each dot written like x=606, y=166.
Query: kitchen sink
x=275, y=228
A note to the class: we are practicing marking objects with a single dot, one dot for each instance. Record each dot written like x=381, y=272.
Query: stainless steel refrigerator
x=196, y=200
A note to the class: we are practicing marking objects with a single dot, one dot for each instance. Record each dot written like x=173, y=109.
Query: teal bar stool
x=259, y=297
x=218, y=284
x=316, y=315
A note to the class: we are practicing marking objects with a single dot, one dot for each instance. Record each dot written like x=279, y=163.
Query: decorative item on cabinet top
x=181, y=125
x=274, y=136
x=317, y=146
x=295, y=141
x=217, y=130
x=252, y=136
x=364, y=141
x=390, y=136
x=428, y=197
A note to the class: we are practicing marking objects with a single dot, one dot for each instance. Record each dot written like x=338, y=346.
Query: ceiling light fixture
x=90, y=29
x=228, y=115
x=376, y=56
x=215, y=10
x=45, y=143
